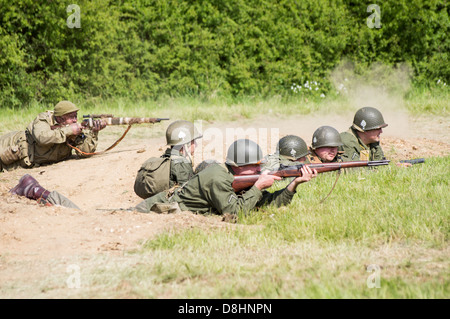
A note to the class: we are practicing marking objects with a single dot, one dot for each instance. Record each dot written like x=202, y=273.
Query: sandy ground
x=33, y=237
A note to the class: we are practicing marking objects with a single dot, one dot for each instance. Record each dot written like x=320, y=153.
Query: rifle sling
x=101, y=152
x=338, y=173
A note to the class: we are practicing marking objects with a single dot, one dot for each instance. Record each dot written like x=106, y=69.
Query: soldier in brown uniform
x=324, y=146
x=211, y=189
x=47, y=139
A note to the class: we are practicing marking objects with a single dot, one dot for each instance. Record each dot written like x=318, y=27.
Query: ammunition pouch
x=166, y=208
x=153, y=177
x=14, y=148
x=10, y=155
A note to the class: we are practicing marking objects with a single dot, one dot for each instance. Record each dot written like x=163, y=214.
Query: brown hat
x=64, y=107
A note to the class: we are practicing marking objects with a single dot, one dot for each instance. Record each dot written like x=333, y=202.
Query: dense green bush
x=206, y=48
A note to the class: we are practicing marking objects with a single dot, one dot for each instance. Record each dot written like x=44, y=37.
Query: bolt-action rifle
x=242, y=182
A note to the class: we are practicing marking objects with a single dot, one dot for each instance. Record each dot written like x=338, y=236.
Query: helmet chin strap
x=186, y=153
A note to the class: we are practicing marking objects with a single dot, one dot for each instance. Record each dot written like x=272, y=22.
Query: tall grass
x=418, y=101
x=428, y=100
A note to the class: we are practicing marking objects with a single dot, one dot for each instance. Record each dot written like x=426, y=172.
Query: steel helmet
x=326, y=136
x=368, y=118
x=292, y=147
x=244, y=152
x=181, y=132
x=64, y=107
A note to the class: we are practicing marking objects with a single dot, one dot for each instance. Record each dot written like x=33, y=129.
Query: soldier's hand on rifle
x=307, y=175
x=98, y=125
x=76, y=128
x=265, y=181
x=403, y=164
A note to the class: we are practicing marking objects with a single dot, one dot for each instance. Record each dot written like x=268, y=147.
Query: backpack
x=153, y=177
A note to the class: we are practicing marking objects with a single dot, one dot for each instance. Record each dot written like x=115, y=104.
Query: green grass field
x=381, y=234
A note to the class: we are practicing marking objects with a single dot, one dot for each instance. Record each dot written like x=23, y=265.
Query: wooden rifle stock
x=242, y=182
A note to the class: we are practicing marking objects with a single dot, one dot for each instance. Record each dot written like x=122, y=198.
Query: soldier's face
x=373, y=136
x=327, y=154
x=69, y=118
x=247, y=169
x=193, y=146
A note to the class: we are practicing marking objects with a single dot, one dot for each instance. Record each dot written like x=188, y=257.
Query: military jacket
x=211, y=191
x=355, y=150
x=47, y=145
x=273, y=161
x=180, y=167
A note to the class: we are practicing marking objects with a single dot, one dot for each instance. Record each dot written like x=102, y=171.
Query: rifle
x=242, y=182
x=109, y=119
x=414, y=161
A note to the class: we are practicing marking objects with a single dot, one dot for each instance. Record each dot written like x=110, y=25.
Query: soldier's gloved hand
x=76, y=128
x=98, y=125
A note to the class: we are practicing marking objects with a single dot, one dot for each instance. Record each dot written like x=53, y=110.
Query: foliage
x=146, y=49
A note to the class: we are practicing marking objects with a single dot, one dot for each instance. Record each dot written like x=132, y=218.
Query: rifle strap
x=101, y=152
x=338, y=173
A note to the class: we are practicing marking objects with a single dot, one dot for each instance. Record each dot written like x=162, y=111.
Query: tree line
x=144, y=49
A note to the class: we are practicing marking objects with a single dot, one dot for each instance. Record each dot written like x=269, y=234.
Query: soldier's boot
x=30, y=188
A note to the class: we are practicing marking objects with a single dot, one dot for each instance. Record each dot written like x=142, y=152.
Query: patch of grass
x=428, y=100
x=392, y=217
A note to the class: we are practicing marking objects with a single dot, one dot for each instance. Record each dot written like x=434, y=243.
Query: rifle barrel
x=414, y=161
x=97, y=116
x=122, y=120
x=129, y=120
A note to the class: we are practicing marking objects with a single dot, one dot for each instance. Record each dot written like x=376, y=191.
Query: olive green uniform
x=58, y=199
x=273, y=161
x=211, y=191
x=355, y=150
x=180, y=171
x=180, y=167
x=40, y=144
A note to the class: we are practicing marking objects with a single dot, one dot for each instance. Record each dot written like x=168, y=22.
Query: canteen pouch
x=153, y=177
